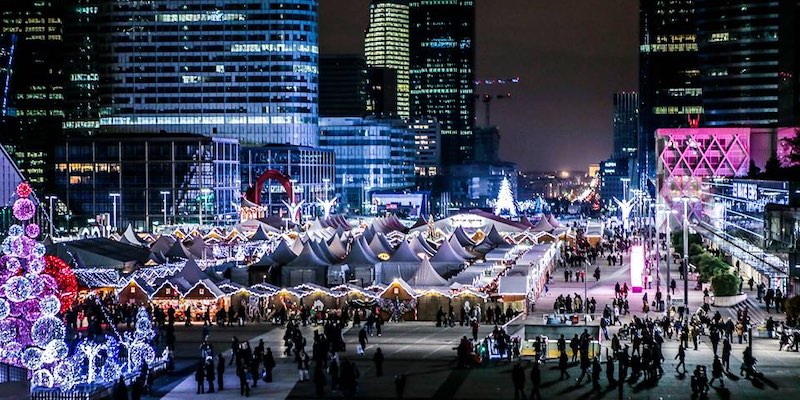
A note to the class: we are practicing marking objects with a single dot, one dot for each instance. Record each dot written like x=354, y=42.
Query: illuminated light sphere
x=37, y=285
x=19, y=248
x=49, y=305
x=15, y=231
x=6, y=245
x=5, y=309
x=110, y=371
x=64, y=373
x=62, y=274
x=42, y=378
x=11, y=351
x=32, y=358
x=36, y=265
x=13, y=264
x=24, y=209
x=32, y=230
x=54, y=351
x=46, y=329
x=24, y=190
x=39, y=250
x=8, y=330
x=17, y=289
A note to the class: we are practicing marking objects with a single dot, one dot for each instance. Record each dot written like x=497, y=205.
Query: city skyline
x=600, y=47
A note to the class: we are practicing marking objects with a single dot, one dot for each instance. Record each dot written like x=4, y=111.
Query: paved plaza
x=426, y=355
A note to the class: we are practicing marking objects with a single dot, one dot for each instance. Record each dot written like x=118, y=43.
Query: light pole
x=685, y=200
x=625, y=188
x=164, y=195
x=114, y=196
x=52, y=222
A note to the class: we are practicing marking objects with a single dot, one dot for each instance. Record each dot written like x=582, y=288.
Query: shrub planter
x=728, y=301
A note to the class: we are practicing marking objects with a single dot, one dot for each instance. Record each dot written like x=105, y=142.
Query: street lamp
x=164, y=195
x=685, y=200
x=625, y=182
x=114, y=196
x=52, y=223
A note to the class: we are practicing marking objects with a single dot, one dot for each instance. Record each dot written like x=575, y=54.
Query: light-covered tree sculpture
x=505, y=205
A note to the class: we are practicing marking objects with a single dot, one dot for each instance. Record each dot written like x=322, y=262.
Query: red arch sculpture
x=254, y=192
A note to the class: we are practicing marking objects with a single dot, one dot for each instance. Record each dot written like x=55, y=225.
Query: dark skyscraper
x=342, y=85
x=81, y=87
x=31, y=41
x=442, y=48
x=669, y=74
x=386, y=47
x=748, y=52
x=626, y=124
x=239, y=69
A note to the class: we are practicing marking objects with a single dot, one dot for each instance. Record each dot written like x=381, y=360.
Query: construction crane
x=488, y=98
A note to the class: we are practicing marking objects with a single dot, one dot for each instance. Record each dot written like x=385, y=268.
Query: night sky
x=571, y=56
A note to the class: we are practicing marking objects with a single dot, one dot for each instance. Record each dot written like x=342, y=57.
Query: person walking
x=220, y=372
x=726, y=355
x=585, y=364
x=596, y=370
x=362, y=341
x=518, y=379
x=269, y=365
x=536, y=381
x=681, y=357
x=400, y=385
x=378, y=359
x=716, y=372
x=563, y=364
x=210, y=374
x=244, y=385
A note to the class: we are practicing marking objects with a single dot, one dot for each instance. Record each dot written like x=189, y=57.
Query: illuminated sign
x=747, y=191
x=383, y=256
x=637, y=268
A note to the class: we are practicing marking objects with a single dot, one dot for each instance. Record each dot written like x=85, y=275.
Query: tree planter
x=728, y=301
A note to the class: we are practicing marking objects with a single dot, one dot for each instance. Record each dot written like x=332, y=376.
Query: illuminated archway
x=254, y=192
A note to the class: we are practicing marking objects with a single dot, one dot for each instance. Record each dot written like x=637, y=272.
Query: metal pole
x=164, y=196
x=50, y=198
x=686, y=254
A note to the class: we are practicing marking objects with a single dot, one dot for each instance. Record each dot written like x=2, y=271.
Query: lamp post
x=114, y=196
x=52, y=222
x=164, y=195
x=625, y=188
x=685, y=200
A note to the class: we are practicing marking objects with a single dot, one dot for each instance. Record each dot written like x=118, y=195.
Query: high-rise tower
x=386, y=45
x=669, y=74
x=246, y=69
x=442, y=72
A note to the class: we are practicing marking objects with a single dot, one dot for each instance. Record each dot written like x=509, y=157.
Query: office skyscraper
x=342, y=85
x=442, y=72
x=738, y=48
x=626, y=124
x=82, y=79
x=31, y=40
x=386, y=45
x=669, y=74
x=245, y=69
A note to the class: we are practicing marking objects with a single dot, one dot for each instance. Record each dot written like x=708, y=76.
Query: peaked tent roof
x=420, y=245
x=198, y=248
x=321, y=250
x=129, y=237
x=192, y=272
x=360, y=253
x=368, y=234
x=379, y=245
x=260, y=234
x=420, y=222
x=553, y=221
x=523, y=219
x=446, y=254
x=464, y=253
x=336, y=247
x=494, y=237
x=298, y=245
x=265, y=261
x=395, y=224
x=463, y=239
x=542, y=226
x=426, y=276
x=178, y=250
x=283, y=253
x=404, y=254
x=162, y=244
x=307, y=258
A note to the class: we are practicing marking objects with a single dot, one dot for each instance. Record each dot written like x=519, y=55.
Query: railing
x=11, y=373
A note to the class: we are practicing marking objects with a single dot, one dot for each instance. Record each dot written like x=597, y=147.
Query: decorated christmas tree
x=505, y=205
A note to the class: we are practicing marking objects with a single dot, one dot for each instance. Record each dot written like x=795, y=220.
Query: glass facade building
x=386, y=45
x=342, y=85
x=427, y=138
x=246, y=69
x=82, y=79
x=31, y=39
x=371, y=155
x=626, y=124
x=739, y=52
x=196, y=176
x=442, y=45
x=669, y=74
x=310, y=169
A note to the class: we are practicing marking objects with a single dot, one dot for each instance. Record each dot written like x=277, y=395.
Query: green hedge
x=725, y=284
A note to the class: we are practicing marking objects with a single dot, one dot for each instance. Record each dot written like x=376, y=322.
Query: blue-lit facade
x=371, y=155
x=196, y=176
x=246, y=69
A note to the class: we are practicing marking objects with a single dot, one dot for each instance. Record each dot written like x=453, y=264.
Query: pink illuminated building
x=687, y=155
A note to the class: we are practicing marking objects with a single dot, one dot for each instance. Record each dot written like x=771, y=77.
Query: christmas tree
x=505, y=204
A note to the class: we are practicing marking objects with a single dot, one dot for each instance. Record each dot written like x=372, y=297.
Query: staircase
x=754, y=310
